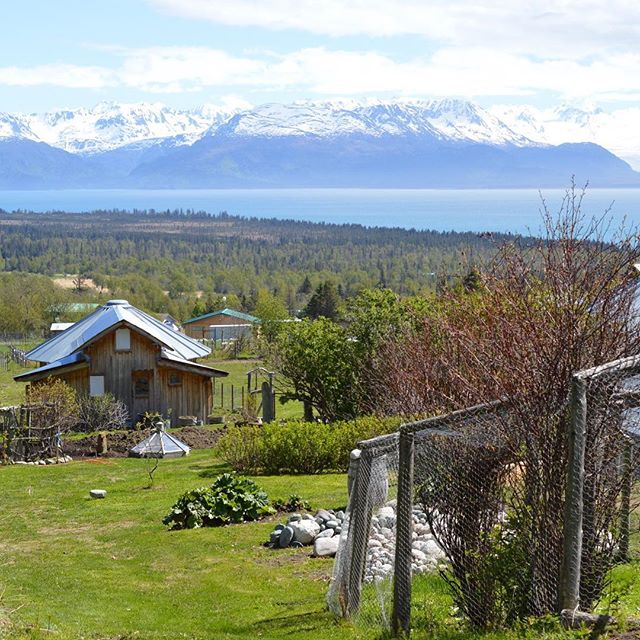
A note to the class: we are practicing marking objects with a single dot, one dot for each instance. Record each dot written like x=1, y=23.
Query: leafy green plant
x=230, y=499
x=298, y=447
x=293, y=503
x=54, y=405
x=148, y=420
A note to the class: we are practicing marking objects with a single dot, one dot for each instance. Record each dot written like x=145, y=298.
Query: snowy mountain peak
x=111, y=125
x=444, y=119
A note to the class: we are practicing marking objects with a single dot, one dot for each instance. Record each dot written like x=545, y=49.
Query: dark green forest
x=184, y=262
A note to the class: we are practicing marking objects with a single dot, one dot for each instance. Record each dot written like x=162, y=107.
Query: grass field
x=74, y=567
x=237, y=377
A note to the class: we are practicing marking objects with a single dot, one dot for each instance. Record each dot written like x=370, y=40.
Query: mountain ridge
x=424, y=143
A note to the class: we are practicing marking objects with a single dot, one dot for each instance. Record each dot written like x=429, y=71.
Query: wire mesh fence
x=362, y=581
x=518, y=514
x=603, y=473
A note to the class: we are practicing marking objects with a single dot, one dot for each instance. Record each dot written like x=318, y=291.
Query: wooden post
x=569, y=592
x=232, y=399
x=267, y=403
x=359, y=527
x=222, y=395
x=401, y=616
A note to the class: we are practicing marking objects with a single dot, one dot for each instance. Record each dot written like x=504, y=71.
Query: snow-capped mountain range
x=617, y=131
x=445, y=142
x=110, y=125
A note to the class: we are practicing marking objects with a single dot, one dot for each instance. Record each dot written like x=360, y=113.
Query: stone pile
x=426, y=555
x=321, y=530
x=58, y=460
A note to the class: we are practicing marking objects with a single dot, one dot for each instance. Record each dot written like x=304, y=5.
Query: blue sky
x=73, y=53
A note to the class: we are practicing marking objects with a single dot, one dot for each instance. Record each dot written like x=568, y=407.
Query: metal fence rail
x=479, y=507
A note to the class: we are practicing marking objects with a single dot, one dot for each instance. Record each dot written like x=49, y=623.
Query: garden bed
x=120, y=442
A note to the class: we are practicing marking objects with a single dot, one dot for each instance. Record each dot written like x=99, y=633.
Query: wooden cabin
x=223, y=325
x=121, y=350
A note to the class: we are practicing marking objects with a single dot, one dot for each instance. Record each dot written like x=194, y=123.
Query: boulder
x=286, y=536
x=327, y=533
x=324, y=514
x=98, y=493
x=326, y=547
x=304, y=531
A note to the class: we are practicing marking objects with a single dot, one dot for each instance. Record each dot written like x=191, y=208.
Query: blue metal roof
x=225, y=312
x=113, y=313
x=74, y=358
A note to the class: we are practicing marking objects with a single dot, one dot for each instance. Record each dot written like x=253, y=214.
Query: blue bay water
x=514, y=210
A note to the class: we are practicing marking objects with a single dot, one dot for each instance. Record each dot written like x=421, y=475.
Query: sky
x=235, y=53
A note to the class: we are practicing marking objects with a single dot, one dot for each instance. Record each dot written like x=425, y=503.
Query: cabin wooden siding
x=200, y=328
x=192, y=396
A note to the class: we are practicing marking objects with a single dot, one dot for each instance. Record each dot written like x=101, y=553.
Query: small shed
x=121, y=350
x=59, y=327
x=226, y=324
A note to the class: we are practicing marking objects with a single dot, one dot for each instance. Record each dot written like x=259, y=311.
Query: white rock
x=326, y=547
x=98, y=493
x=418, y=555
x=432, y=549
x=385, y=512
x=304, y=531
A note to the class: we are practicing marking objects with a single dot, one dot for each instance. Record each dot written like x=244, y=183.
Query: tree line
x=188, y=263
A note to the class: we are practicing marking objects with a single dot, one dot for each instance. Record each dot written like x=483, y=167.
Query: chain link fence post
x=401, y=617
x=569, y=592
x=625, y=502
x=359, y=524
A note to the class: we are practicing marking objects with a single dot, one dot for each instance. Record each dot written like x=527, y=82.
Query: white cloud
x=60, y=75
x=569, y=28
x=322, y=72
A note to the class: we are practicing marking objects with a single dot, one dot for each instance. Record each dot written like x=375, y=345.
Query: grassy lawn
x=237, y=377
x=75, y=567
x=11, y=392
x=107, y=568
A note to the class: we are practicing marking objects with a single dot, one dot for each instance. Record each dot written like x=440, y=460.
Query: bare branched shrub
x=101, y=413
x=543, y=311
x=54, y=406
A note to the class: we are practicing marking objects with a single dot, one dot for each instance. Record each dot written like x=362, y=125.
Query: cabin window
x=141, y=385
x=96, y=385
x=123, y=340
x=175, y=379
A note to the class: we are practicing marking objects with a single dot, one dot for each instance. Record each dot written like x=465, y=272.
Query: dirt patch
x=120, y=442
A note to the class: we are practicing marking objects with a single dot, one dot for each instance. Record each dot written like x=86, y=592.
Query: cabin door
x=142, y=387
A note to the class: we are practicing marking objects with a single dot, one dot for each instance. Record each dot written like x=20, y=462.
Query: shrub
x=293, y=503
x=298, y=447
x=230, y=499
x=54, y=403
x=99, y=413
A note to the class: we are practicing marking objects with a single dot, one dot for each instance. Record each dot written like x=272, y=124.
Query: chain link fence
x=362, y=582
x=516, y=514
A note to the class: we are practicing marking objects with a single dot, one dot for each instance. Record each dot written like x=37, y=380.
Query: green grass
x=11, y=392
x=237, y=377
x=109, y=567
x=76, y=567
